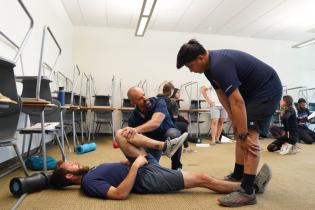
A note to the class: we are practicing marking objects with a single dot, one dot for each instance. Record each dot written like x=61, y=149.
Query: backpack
x=36, y=163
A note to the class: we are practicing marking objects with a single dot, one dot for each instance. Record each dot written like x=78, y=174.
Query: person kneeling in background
x=286, y=141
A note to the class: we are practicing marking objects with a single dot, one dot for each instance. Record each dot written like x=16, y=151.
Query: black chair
x=9, y=115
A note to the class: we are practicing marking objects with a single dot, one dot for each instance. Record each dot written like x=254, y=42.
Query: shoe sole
x=265, y=175
x=183, y=138
x=252, y=202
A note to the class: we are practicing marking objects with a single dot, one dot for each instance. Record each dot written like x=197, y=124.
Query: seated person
x=152, y=119
x=286, y=140
x=306, y=135
x=142, y=174
x=181, y=123
x=168, y=89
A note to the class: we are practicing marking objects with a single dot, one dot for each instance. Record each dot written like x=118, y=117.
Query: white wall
x=108, y=51
x=14, y=23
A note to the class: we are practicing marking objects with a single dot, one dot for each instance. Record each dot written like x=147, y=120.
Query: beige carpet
x=292, y=185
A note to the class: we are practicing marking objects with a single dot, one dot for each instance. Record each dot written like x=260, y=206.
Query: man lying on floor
x=142, y=173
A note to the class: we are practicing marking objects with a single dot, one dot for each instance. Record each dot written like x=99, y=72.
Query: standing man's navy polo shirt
x=232, y=69
x=138, y=118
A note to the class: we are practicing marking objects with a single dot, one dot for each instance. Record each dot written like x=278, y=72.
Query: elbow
x=122, y=196
x=238, y=103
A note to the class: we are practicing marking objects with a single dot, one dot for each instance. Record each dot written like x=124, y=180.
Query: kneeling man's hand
x=129, y=132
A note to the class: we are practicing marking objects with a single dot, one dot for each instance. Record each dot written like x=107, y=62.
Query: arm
x=238, y=111
x=154, y=123
x=224, y=101
x=124, y=188
x=204, y=90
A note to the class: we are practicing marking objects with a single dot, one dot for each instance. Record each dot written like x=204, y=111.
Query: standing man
x=150, y=118
x=250, y=91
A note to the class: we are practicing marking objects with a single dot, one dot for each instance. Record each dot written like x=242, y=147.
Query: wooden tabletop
x=6, y=100
x=101, y=108
x=194, y=110
x=35, y=102
x=70, y=106
x=126, y=109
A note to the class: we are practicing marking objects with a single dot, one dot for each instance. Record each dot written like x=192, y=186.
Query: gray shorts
x=217, y=112
x=153, y=178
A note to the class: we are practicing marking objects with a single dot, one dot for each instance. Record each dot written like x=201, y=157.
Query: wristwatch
x=243, y=136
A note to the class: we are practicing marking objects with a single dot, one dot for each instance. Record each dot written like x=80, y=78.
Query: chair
x=125, y=114
x=102, y=117
x=311, y=108
x=9, y=115
x=194, y=116
x=52, y=115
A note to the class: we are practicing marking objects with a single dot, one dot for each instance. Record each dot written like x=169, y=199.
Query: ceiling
x=271, y=19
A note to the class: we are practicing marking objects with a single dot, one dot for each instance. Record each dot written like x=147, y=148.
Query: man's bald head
x=133, y=91
x=137, y=97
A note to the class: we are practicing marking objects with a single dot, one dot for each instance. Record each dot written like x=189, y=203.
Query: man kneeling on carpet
x=142, y=173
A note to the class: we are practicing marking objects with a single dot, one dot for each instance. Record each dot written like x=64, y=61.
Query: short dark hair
x=58, y=178
x=189, y=52
x=174, y=92
x=301, y=100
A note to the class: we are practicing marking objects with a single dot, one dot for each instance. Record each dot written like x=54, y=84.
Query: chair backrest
x=194, y=105
x=51, y=114
x=9, y=116
x=102, y=100
x=311, y=107
x=29, y=87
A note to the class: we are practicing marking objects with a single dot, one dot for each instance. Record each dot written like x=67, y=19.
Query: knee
x=214, y=122
x=205, y=178
x=272, y=147
x=251, y=148
x=172, y=133
x=119, y=137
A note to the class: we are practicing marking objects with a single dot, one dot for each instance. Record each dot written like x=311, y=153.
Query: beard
x=81, y=171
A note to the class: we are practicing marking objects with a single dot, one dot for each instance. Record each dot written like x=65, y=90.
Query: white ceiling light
x=142, y=25
x=303, y=44
x=144, y=18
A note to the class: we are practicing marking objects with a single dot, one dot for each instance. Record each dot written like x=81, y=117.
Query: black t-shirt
x=232, y=69
x=289, y=121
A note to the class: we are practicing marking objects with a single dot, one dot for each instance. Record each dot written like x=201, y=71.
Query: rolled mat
x=33, y=183
x=84, y=148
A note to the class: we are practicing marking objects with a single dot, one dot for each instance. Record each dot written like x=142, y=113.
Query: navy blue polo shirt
x=138, y=118
x=232, y=69
x=97, y=181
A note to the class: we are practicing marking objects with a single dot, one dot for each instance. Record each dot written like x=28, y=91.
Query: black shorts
x=259, y=113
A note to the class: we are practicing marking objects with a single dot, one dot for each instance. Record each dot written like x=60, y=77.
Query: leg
x=176, y=163
x=305, y=136
x=192, y=180
x=142, y=141
x=251, y=151
x=127, y=148
x=219, y=129
x=214, y=129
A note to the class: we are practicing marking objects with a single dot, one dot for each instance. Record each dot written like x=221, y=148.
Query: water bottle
x=61, y=96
